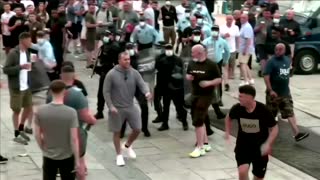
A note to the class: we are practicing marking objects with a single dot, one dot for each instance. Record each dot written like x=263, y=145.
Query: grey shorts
x=39, y=98
x=131, y=114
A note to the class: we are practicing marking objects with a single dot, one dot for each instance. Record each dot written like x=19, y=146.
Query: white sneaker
x=207, y=147
x=251, y=81
x=243, y=83
x=129, y=152
x=120, y=160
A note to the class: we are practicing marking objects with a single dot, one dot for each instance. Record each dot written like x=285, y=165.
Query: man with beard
x=58, y=22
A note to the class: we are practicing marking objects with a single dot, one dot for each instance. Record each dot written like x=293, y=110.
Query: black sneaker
x=209, y=132
x=226, y=87
x=221, y=115
x=185, y=127
x=3, y=160
x=99, y=115
x=301, y=136
x=157, y=120
x=163, y=127
x=146, y=133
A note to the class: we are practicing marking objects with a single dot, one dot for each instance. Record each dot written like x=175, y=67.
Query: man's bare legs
x=132, y=137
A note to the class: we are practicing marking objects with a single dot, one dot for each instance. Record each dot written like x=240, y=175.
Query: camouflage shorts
x=282, y=104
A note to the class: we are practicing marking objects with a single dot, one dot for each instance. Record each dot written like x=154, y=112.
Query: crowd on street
x=193, y=64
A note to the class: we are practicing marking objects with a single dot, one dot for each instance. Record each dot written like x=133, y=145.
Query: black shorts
x=65, y=167
x=6, y=41
x=261, y=52
x=199, y=109
x=259, y=163
x=75, y=30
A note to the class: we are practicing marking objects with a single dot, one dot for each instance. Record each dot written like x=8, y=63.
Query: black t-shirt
x=56, y=34
x=203, y=71
x=253, y=127
x=19, y=29
x=81, y=86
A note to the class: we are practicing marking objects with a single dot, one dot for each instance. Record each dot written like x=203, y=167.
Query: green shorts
x=282, y=104
x=20, y=99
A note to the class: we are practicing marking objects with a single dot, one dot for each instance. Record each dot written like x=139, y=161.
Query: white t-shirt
x=149, y=15
x=180, y=11
x=234, y=33
x=27, y=3
x=5, y=17
x=23, y=76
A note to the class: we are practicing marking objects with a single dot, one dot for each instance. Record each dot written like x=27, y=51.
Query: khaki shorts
x=20, y=99
x=243, y=59
x=39, y=98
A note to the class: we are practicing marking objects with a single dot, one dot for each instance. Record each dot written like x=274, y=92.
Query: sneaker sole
x=302, y=137
x=22, y=143
x=3, y=162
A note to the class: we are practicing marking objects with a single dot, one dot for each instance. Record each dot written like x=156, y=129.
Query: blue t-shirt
x=278, y=68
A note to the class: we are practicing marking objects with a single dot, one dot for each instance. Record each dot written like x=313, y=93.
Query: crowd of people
x=37, y=36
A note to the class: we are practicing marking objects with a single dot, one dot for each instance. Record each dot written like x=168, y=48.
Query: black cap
x=215, y=27
x=129, y=45
x=168, y=46
x=198, y=15
x=196, y=32
x=67, y=69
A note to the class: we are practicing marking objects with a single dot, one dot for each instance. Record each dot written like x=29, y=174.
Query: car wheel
x=306, y=62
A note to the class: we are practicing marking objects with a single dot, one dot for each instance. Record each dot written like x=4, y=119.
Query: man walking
x=204, y=75
x=18, y=67
x=246, y=49
x=119, y=89
x=56, y=132
x=257, y=132
x=278, y=96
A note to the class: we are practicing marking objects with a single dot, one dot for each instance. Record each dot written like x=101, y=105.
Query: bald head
x=199, y=53
x=290, y=14
x=244, y=18
x=280, y=49
x=229, y=20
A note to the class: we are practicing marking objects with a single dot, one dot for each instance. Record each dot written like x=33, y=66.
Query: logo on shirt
x=250, y=125
x=198, y=72
x=284, y=73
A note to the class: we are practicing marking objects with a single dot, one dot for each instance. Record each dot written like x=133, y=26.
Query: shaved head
x=199, y=53
x=290, y=14
x=244, y=18
x=280, y=49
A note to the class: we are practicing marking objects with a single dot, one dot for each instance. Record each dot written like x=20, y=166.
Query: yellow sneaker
x=197, y=152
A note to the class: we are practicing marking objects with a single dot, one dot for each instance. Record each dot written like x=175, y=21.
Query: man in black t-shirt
x=17, y=25
x=257, y=132
x=205, y=75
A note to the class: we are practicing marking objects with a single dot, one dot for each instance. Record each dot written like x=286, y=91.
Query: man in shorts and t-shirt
x=5, y=17
x=205, y=75
x=246, y=49
x=257, y=132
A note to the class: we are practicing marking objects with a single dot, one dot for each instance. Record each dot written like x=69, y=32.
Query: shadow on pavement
x=304, y=155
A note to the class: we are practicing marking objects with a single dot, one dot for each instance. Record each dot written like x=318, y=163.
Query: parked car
x=307, y=46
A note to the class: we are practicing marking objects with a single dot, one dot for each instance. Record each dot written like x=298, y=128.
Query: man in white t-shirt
x=5, y=17
x=181, y=9
x=230, y=32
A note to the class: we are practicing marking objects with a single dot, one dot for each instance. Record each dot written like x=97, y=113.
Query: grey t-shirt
x=262, y=35
x=56, y=121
